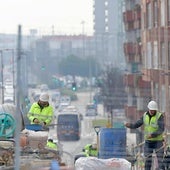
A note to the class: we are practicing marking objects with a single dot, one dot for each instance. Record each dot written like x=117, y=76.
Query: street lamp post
x=83, y=45
x=13, y=71
x=13, y=75
x=2, y=77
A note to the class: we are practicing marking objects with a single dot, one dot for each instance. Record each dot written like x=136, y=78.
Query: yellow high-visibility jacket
x=42, y=114
x=151, y=126
x=90, y=151
x=51, y=145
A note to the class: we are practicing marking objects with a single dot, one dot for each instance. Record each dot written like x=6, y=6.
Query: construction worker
x=88, y=150
x=91, y=149
x=153, y=122
x=51, y=144
x=41, y=112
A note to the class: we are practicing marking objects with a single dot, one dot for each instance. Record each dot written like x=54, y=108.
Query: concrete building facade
x=107, y=30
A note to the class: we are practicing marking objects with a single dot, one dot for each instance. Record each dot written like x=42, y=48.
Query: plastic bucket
x=112, y=143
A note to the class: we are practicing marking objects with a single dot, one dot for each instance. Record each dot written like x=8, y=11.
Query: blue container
x=112, y=143
x=54, y=165
x=34, y=127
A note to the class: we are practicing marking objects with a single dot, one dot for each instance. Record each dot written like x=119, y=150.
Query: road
x=87, y=131
x=88, y=134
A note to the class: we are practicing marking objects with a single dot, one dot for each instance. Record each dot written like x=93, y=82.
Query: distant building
x=62, y=46
x=108, y=31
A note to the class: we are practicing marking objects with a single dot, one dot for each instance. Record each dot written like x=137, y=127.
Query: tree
x=74, y=65
x=112, y=89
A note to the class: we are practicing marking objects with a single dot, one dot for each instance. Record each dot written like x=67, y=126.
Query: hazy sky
x=65, y=15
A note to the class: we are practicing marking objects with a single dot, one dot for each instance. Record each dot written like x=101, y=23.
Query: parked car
x=44, y=87
x=91, y=109
x=55, y=96
x=62, y=106
x=65, y=99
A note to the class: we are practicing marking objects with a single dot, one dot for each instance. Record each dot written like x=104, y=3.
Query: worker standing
x=153, y=122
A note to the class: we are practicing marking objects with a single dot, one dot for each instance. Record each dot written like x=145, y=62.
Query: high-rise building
x=108, y=31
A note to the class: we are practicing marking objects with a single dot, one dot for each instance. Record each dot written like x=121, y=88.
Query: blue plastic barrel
x=34, y=127
x=112, y=143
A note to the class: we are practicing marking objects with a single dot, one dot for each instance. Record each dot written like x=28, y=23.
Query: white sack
x=92, y=163
x=35, y=133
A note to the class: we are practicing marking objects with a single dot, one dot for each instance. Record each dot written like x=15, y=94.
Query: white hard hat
x=44, y=97
x=50, y=138
x=152, y=105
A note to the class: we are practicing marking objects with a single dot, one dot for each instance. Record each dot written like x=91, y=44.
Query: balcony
x=132, y=52
x=129, y=80
x=129, y=48
x=128, y=16
x=136, y=80
x=143, y=84
x=148, y=1
x=154, y=75
x=130, y=112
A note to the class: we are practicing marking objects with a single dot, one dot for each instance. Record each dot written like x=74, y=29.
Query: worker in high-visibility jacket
x=88, y=150
x=91, y=149
x=154, y=126
x=51, y=144
x=41, y=112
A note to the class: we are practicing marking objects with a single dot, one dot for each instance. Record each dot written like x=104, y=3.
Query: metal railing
x=139, y=157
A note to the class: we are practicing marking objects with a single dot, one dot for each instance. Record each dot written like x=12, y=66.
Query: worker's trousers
x=149, y=147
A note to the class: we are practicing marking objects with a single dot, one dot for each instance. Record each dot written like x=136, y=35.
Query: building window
x=106, y=12
x=155, y=15
x=162, y=13
x=168, y=55
x=156, y=92
x=134, y=68
x=106, y=3
x=149, y=56
x=168, y=12
x=163, y=57
x=148, y=15
x=106, y=29
x=163, y=99
x=155, y=59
